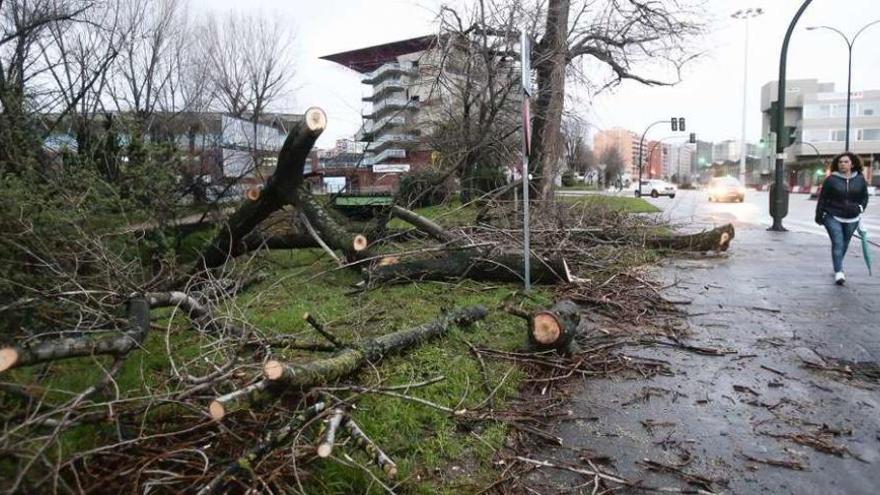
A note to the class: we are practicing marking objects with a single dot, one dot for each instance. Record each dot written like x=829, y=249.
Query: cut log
x=325, y=448
x=423, y=224
x=351, y=359
x=238, y=399
x=555, y=328
x=476, y=265
x=363, y=441
x=717, y=239
x=279, y=190
x=251, y=458
x=354, y=246
x=112, y=345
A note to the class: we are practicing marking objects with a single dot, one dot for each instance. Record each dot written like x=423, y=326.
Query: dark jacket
x=842, y=197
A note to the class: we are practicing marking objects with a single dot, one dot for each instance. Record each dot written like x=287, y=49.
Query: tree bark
x=354, y=246
x=363, y=441
x=476, y=265
x=423, y=224
x=114, y=345
x=349, y=360
x=551, y=58
x=717, y=239
x=279, y=190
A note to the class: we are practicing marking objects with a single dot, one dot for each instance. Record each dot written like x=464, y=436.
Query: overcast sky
x=710, y=95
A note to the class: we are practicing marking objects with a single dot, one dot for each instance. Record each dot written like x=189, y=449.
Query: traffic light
x=693, y=138
x=680, y=124
x=674, y=124
x=790, y=135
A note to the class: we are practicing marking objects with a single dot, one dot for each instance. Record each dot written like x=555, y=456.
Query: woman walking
x=842, y=201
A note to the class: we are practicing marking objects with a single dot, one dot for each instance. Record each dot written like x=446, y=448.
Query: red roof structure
x=371, y=58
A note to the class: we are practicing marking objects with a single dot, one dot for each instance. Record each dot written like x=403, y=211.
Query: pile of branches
x=232, y=417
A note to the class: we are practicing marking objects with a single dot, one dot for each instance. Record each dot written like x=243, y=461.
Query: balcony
x=397, y=140
x=390, y=104
x=383, y=88
x=371, y=127
x=385, y=155
x=393, y=68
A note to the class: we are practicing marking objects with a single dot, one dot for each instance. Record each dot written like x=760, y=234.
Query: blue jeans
x=840, y=234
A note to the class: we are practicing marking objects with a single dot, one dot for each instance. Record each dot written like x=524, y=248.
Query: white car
x=655, y=188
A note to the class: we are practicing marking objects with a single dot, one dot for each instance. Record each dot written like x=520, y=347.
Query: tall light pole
x=849, y=44
x=778, y=191
x=745, y=14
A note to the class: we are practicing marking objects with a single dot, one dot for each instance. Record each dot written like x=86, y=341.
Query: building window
x=838, y=135
x=817, y=111
x=869, y=134
x=839, y=110
x=869, y=108
x=816, y=135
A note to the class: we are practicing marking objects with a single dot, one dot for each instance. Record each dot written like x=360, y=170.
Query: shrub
x=422, y=188
x=568, y=179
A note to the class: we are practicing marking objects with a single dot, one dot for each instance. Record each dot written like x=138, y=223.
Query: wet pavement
x=794, y=409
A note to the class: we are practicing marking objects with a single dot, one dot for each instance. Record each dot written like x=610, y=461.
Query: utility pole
x=745, y=14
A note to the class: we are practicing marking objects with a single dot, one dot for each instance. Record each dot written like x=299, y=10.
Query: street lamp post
x=745, y=14
x=849, y=45
x=675, y=126
x=778, y=193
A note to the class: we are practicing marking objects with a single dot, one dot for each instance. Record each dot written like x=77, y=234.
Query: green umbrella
x=866, y=252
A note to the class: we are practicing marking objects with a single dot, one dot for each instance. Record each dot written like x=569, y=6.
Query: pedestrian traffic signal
x=674, y=124
x=693, y=138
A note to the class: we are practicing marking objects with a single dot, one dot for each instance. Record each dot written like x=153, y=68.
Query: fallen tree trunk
x=112, y=345
x=476, y=265
x=717, y=239
x=351, y=359
x=279, y=190
x=354, y=246
x=555, y=328
x=423, y=224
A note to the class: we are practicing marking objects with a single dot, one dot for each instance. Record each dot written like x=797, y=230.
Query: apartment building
x=817, y=112
x=399, y=75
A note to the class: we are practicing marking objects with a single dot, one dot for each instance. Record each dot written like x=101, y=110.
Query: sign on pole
x=526, y=63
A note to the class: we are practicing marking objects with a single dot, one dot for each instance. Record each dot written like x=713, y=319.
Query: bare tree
x=578, y=154
x=251, y=61
x=477, y=85
x=612, y=159
x=626, y=37
x=23, y=24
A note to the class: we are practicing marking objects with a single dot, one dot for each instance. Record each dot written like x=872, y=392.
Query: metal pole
x=527, y=275
x=848, y=93
x=742, y=142
x=641, y=149
x=779, y=198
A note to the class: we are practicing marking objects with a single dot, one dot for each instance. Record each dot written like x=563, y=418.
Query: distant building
x=818, y=115
x=399, y=74
x=678, y=162
x=626, y=142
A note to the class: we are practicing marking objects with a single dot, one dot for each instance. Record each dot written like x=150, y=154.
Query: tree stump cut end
x=359, y=243
x=315, y=119
x=217, y=410
x=8, y=358
x=546, y=328
x=273, y=370
x=324, y=450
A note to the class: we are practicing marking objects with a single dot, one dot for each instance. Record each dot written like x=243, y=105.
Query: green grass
x=447, y=214
x=624, y=203
x=580, y=186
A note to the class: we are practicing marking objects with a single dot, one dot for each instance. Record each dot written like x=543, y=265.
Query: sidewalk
x=772, y=301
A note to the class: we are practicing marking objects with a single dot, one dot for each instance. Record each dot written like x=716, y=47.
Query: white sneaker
x=839, y=278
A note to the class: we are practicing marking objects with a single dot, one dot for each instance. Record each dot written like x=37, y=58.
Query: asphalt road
x=692, y=209
x=793, y=409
